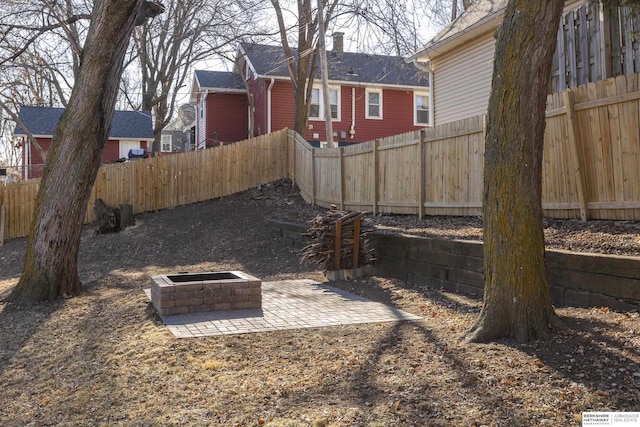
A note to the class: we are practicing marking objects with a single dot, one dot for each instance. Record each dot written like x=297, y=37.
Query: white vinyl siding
x=201, y=123
x=462, y=80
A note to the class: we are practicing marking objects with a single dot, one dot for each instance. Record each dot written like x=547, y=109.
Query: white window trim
x=164, y=137
x=366, y=103
x=415, y=109
x=339, y=99
x=320, y=107
x=321, y=104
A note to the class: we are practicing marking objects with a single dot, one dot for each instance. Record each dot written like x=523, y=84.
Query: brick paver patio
x=288, y=304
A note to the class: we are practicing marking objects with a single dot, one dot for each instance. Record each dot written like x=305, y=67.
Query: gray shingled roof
x=347, y=67
x=219, y=80
x=125, y=124
x=479, y=13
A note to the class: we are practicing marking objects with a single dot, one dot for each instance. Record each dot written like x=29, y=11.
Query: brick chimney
x=338, y=42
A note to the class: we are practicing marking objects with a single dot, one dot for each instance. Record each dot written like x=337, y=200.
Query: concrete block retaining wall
x=575, y=279
x=289, y=233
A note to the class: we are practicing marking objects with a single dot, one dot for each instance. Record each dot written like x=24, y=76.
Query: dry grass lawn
x=104, y=358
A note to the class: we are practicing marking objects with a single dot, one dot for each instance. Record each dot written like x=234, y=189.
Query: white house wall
x=201, y=121
x=462, y=80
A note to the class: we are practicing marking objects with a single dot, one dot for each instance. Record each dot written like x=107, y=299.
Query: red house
x=371, y=96
x=129, y=130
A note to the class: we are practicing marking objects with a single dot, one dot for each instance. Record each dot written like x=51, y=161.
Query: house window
x=314, y=111
x=374, y=104
x=421, y=108
x=166, y=142
x=334, y=103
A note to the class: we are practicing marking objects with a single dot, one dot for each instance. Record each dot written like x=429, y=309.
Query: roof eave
x=247, y=59
x=351, y=83
x=110, y=138
x=221, y=90
x=489, y=23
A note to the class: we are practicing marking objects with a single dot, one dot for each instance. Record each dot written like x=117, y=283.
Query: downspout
x=352, y=130
x=269, y=104
x=427, y=68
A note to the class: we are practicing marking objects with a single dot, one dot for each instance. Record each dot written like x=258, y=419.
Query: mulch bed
x=104, y=358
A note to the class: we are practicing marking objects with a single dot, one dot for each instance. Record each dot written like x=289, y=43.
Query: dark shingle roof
x=347, y=67
x=125, y=124
x=219, y=80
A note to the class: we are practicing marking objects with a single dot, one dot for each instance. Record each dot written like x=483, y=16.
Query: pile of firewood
x=322, y=237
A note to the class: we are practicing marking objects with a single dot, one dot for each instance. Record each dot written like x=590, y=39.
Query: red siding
x=226, y=114
x=259, y=90
x=111, y=152
x=397, y=115
x=226, y=118
x=282, y=106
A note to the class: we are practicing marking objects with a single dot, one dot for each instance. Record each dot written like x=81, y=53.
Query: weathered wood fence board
x=591, y=167
x=167, y=181
x=593, y=43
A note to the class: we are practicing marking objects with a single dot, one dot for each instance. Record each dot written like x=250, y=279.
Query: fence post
x=375, y=177
x=573, y=132
x=313, y=176
x=2, y=224
x=421, y=150
x=341, y=158
x=356, y=242
x=338, y=246
x=293, y=142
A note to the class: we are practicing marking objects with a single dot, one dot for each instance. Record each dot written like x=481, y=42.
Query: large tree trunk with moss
x=50, y=268
x=517, y=304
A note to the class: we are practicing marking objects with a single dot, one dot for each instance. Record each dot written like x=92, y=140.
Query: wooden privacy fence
x=591, y=166
x=595, y=42
x=166, y=181
x=435, y=171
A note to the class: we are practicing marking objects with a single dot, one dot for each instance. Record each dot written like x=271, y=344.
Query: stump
x=126, y=216
x=107, y=217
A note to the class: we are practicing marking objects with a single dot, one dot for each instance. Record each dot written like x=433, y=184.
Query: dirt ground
x=104, y=358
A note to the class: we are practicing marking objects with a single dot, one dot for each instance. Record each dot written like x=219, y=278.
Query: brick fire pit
x=193, y=292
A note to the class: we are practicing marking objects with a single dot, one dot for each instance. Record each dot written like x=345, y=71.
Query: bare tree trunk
x=517, y=303
x=50, y=268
